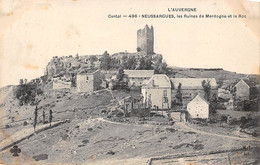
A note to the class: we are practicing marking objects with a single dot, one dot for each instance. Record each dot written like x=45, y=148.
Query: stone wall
x=145, y=39
x=59, y=84
x=88, y=82
x=157, y=95
x=85, y=83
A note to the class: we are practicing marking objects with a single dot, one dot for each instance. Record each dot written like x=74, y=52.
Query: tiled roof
x=139, y=73
x=192, y=83
x=159, y=80
x=88, y=71
x=199, y=98
x=248, y=82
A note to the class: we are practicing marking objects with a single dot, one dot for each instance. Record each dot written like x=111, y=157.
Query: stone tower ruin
x=145, y=40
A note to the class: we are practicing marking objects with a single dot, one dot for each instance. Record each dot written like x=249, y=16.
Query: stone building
x=190, y=87
x=62, y=81
x=245, y=90
x=138, y=77
x=157, y=92
x=58, y=83
x=88, y=81
x=161, y=90
x=198, y=108
x=145, y=40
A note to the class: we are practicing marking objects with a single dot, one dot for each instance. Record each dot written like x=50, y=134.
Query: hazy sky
x=31, y=32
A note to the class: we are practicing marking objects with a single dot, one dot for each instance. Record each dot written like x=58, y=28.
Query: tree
x=35, y=117
x=130, y=63
x=179, y=94
x=160, y=67
x=105, y=61
x=92, y=60
x=43, y=117
x=50, y=116
x=73, y=80
x=120, y=82
x=114, y=63
x=148, y=63
x=149, y=105
x=125, y=62
x=141, y=65
x=233, y=91
x=27, y=92
x=138, y=49
x=207, y=89
x=120, y=74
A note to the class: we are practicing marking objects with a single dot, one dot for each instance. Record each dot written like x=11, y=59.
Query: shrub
x=223, y=118
x=27, y=92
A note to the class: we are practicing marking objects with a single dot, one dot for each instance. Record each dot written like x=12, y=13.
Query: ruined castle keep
x=145, y=40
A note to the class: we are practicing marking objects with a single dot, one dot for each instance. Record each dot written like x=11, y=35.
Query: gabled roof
x=159, y=80
x=192, y=83
x=139, y=73
x=248, y=82
x=88, y=71
x=199, y=99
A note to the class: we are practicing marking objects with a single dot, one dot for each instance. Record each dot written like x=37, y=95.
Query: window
x=164, y=92
x=165, y=99
x=87, y=79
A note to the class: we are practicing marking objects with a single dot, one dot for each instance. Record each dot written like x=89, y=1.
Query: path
x=25, y=133
x=185, y=127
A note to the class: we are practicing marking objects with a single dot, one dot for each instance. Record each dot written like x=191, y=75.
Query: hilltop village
x=160, y=87
x=94, y=107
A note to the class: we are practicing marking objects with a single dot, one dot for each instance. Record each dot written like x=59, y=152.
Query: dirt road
x=187, y=128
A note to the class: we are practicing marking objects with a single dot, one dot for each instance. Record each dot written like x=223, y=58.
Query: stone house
x=160, y=91
x=62, y=82
x=245, y=90
x=88, y=81
x=190, y=87
x=157, y=92
x=138, y=77
x=198, y=108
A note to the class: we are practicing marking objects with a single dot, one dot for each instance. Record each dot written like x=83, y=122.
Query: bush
x=223, y=118
x=27, y=92
x=221, y=106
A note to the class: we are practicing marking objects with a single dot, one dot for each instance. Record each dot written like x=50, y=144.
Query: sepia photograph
x=146, y=82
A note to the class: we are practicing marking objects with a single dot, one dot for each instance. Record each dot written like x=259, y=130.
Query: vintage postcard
x=143, y=82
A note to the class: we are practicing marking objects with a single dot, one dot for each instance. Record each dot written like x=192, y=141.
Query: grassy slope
x=89, y=140
x=220, y=75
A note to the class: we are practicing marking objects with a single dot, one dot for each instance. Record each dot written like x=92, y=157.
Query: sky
x=32, y=32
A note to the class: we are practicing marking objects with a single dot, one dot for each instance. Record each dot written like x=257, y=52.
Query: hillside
x=91, y=137
x=222, y=76
x=96, y=132
x=72, y=65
